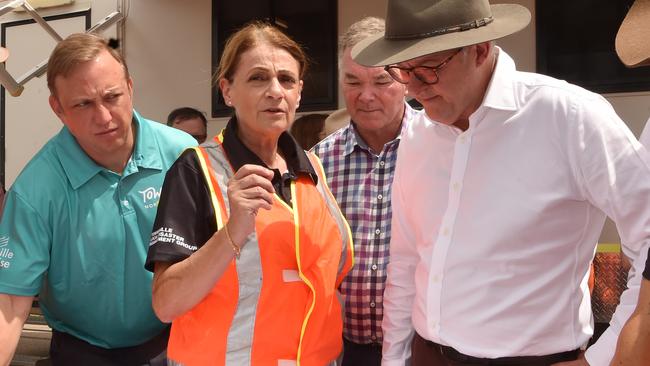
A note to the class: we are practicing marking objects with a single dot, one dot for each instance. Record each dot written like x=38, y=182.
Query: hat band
x=438, y=32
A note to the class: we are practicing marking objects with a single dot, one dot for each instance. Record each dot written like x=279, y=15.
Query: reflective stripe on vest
x=296, y=308
x=345, y=265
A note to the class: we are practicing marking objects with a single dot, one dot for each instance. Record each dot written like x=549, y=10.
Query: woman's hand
x=178, y=287
x=248, y=190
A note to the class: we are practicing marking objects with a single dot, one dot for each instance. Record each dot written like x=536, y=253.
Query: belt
x=373, y=345
x=452, y=354
x=66, y=349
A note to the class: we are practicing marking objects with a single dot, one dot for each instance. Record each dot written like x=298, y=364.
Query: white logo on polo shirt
x=150, y=197
x=5, y=253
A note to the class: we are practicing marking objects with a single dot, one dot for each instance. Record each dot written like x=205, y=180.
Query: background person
x=633, y=48
x=359, y=162
x=191, y=121
x=633, y=347
x=77, y=219
x=308, y=129
x=249, y=246
x=500, y=193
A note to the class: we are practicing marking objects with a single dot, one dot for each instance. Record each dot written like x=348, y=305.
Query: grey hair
x=364, y=28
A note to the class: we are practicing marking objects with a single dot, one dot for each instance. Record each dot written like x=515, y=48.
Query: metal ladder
x=15, y=87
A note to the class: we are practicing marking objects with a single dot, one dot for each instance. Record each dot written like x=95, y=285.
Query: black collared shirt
x=295, y=156
x=186, y=219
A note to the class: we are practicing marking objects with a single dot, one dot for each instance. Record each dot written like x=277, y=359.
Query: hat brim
x=378, y=51
x=632, y=44
x=4, y=54
x=336, y=120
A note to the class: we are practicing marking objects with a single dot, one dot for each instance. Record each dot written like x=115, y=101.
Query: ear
x=224, y=86
x=299, y=93
x=129, y=84
x=483, y=51
x=56, y=106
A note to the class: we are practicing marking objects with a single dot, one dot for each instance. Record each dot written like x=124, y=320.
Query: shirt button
x=372, y=304
x=462, y=139
x=445, y=231
x=456, y=186
x=374, y=267
x=126, y=203
x=382, y=163
x=377, y=232
x=434, y=279
x=373, y=337
x=380, y=197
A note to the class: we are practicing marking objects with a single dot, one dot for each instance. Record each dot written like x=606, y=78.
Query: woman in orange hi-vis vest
x=249, y=247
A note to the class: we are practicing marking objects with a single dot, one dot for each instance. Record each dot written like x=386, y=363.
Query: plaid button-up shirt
x=361, y=183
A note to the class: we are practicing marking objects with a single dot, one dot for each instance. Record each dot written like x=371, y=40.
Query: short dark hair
x=185, y=113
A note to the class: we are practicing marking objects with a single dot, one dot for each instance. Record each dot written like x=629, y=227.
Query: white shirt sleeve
x=400, y=284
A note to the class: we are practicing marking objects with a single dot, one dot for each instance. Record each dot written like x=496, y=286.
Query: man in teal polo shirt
x=77, y=220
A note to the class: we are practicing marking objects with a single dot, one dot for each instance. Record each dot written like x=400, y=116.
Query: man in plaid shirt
x=359, y=162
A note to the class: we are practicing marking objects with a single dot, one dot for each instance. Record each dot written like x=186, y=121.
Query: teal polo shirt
x=77, y=234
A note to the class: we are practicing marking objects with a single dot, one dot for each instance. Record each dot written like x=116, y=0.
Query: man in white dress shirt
x=500, y=193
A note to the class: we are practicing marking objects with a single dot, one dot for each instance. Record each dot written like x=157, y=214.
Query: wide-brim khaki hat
x=416, y=28
x=335, y=121
x=632, y=43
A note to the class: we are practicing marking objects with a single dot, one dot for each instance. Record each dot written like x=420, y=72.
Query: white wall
x=168, y=48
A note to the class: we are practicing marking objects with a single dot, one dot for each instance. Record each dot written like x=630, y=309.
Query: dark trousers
x=68, y=350
x=355, y=354
x=427, y=353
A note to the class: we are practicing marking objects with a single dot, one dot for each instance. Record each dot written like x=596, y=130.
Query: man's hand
x=13, y=313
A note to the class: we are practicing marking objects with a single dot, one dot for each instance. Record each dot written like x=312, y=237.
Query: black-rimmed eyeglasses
x=425, y=74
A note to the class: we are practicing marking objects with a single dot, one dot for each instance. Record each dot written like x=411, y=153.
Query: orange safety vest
x=277, y=304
